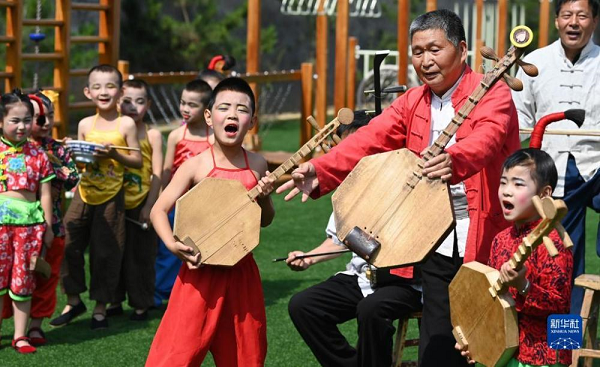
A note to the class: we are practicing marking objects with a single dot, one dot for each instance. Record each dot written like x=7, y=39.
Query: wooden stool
x=589, y=314
x=401, y=341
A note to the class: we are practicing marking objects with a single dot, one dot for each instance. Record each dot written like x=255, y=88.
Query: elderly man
x=471, y=163
x=569, y=78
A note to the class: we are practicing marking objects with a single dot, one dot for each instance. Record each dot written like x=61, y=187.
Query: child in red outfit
x=543, y=286
x=185, y=142
x=212, y=308
x=25, y=221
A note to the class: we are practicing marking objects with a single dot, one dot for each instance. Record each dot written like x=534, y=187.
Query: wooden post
x=307, y=104
x=108, y=26
x=341, y=54
x=351, y=90
x=61, y=67
x=253, y=61
x=431, y=5
x=544, y=23
x=403, y=38
x=123, y=66
x=478, y=41
x=502, y=15
x=14, y=16
x=321, y=60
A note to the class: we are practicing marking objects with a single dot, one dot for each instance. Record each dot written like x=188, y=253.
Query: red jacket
x=484, y=140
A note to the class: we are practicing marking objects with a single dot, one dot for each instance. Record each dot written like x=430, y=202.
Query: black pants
x=318, y=310
x=436, y=344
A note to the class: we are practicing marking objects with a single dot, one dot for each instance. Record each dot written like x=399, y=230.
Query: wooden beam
x=321, y=60
x=108, y=28
x=478, y=40
x=341, y=54
x=89, y=39
x=544, y=23
x=403, y=38
x=62, y=46
x=351, y=89
x=6, y=39
x=307, y=104
x=502, y=19
x=253, y=60
x=14, y=14
x=90, y=6
x=8, y=4
x=82, y=105
x=123, y=66
x=431, y=5
x=46, y=56
x=43, y=22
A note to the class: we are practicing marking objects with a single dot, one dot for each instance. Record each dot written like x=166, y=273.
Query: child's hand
x=186, y=254
x=48, y=237
x=297, y=264
x=465, y=353
x=145, y=215
x=513, y=278
x=105, y=152
x=265, y=185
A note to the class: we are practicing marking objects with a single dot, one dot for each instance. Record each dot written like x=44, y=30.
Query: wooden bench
x=589, y=315
x=401, y=341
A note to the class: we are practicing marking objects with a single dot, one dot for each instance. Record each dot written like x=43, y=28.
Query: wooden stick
x=564, y=132
x=313, y=255
x=124, y=148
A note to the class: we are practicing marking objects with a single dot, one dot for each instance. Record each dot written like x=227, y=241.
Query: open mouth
x=103, y=100
x=231, y=129
x=573, y=34
x=507, y=205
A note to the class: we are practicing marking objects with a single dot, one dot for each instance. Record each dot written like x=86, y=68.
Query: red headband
x=41, y=120
x=213, y=62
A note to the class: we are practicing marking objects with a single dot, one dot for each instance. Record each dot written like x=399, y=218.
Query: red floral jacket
x=549, y=293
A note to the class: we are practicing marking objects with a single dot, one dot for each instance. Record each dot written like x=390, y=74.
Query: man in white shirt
x=569, y=78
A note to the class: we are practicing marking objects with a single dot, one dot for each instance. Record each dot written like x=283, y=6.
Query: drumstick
x=312, y=255
x=123, y=148
x=565, y=132
x=144, y=226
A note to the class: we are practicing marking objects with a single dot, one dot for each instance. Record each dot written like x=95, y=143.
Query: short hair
x=137, y=84
x=594, y=4
x=202, y=88
x=442, y=19
x=106, y=68
x=14, y=97
x=236, y=85
x=361, y=118
x=542, y=167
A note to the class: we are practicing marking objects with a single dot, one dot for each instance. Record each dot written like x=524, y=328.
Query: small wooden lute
x=482, y=311
x=221, y=219
x=389, y=214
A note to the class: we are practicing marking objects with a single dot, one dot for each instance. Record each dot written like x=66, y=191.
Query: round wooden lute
x=221, y=219
x=482, y=312
x=389, y=214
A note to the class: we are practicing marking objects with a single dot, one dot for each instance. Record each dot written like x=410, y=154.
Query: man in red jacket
x=471, y=163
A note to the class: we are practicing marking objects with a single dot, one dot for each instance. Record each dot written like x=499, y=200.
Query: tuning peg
x=513, y=83
x=528, y=68
x=564, y=235
x=325, y=147
x=488, y=53
x=550, y=246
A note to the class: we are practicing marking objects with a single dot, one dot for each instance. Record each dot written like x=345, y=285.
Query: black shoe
x=114, y=311
x=99, y=324
x=67, y=317
x=139, y=316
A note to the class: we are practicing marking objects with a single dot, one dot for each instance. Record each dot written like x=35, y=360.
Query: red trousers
x=43, y=301
x=216, y=309
x=17, y=245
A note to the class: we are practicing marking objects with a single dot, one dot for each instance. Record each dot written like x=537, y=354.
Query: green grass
x=297, y=226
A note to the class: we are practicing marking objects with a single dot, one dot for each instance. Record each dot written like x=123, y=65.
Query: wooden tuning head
x=550, y=246
x=528, y=68
x=488, y=53
x=345, y=116
x=513, y=83
x=564, y=235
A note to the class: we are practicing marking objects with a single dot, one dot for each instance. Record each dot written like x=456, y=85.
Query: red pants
x=214, y=308
x=43, y=302
x=17, y=245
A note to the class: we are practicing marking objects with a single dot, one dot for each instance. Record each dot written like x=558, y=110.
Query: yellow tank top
x=103, y=179
x=137, y=180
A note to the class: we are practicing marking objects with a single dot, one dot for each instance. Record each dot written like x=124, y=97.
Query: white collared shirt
x=442, y=113
x=562, y=85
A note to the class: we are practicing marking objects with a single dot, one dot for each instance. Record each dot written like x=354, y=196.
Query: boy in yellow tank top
x=142, y=187
x=96, y=216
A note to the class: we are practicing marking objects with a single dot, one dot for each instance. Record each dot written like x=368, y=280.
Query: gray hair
x=442, y=19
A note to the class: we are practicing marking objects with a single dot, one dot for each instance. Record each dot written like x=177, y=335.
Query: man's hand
x=438, y=167
x=465, y=353
x=297, y=264
x=513, y=278
x=304, y=179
